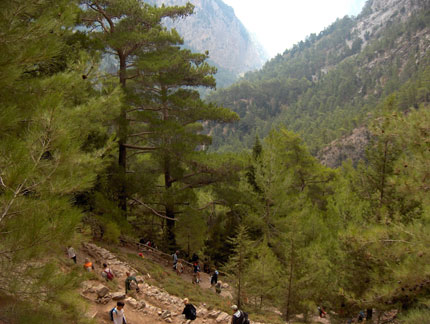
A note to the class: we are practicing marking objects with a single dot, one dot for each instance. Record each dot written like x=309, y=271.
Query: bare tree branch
x=156, y=213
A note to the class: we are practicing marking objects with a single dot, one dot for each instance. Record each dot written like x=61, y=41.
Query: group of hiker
x=179, y=268
x=131, y=282
x=189, y=313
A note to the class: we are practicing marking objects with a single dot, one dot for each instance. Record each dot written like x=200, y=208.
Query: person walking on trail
x=189, y=311
x=195, y=258
x=218, y=287
x=71, y=253
x=196, y=273
x=179, y=268
x=107, y=273
x=88, y=265
x=321, y=312
x=131, y=283
x=117, y=314
x=214, y=278
x=175, y=259
x=239, y=317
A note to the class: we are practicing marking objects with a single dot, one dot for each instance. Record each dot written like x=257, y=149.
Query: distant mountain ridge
x=335, y=81
x=214, y=27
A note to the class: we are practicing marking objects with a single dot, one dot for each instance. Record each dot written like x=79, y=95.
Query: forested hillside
x=124, y=157
x=332, y=82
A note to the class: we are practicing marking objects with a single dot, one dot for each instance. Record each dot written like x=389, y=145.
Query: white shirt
x=118, y=316
x=71, y=252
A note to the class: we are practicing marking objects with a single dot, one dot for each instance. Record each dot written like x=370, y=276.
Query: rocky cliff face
x=214, y=27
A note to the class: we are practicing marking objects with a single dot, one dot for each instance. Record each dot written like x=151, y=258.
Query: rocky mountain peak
x=214, y=27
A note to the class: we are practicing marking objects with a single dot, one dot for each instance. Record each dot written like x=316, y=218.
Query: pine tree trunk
x=170, y=209
x=290, y=281
x=239, y=286
x=122, y=139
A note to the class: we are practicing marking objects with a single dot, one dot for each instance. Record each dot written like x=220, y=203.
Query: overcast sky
x=279, y=24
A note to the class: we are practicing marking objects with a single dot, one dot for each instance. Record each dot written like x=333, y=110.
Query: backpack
x=111, y=313
x=109, y=275
x=193, y=313
x=245, y=318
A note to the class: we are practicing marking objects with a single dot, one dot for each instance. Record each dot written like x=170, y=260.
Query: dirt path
x=205, y=279
x=152, y=305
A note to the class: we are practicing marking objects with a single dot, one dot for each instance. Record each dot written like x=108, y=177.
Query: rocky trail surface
x=151, y=305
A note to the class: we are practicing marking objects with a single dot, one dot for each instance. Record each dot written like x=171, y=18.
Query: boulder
x=202, y=312
x=223, y=317
x=132, y=302
x=88, y=287
x=214, y=314
x=166, y=314
x=101, y=290
x=118, y=295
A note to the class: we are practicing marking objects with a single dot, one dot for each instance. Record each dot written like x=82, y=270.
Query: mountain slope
x=327, y=85
x=214, y=27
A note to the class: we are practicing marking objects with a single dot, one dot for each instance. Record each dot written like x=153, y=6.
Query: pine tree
x=263, y=276
x=48, y=113
x=168, y=124
x=125, y=29
x=238, y=262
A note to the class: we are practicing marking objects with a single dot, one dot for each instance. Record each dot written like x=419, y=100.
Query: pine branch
x=141, y=148
x=155, y=212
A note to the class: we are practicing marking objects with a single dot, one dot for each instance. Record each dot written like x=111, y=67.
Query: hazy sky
x=278, y=24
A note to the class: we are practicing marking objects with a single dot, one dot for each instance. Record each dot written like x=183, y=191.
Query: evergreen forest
x=232, y=177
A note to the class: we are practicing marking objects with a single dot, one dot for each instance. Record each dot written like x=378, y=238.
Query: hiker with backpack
x=117, y=314
x=218, y=287
x=175, y=259
x=321, y=312
x=196, y=273
x=179, y=268
x=214, y=278
x=107, y=273
x=131, y=283
x=88, y=265
x=189, y=311
x=71, y=253
x=239, y=317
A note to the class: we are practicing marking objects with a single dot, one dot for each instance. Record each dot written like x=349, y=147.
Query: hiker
x=321, y=312
x=189, y=310
x=195, y=258
x=179, y=268
x=107, y=273
x=239, y=317
x=175, y=259
x=361, y=317
x=196, y=273
x=131, y=283
x=218, y=287
x=117, y=314
x=214, y=278
x=71, y=253
x=88, y=265
x=141, y=255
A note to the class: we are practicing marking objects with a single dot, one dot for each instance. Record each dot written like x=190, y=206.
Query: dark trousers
x=74, y=259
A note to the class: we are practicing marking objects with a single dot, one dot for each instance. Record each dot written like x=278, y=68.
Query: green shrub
x=417, y=316
x=112, y=233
